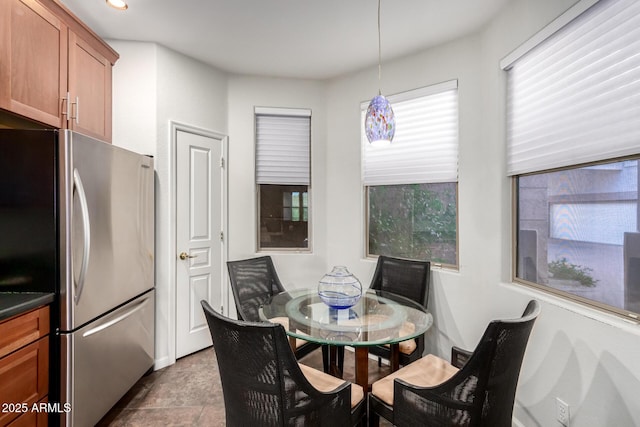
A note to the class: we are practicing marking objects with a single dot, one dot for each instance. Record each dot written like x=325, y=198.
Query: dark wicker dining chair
x=253, y=282
x=477, y=389
x=263, y=384
x=410, y=279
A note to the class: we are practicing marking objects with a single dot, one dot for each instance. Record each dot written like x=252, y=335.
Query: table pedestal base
x=362, y=367
x=362, y=364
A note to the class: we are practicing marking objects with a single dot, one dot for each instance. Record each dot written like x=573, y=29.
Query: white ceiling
x=288, y=38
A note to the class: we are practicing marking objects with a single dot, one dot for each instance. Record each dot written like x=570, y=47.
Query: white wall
x=153, y=86
x=457, y=60
x=590, y=360
x=135, y=97
x=245, y=93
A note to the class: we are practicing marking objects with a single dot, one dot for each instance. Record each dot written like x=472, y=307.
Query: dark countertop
x=13, y=303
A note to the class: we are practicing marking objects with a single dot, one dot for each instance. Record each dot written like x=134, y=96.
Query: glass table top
x=377, y=318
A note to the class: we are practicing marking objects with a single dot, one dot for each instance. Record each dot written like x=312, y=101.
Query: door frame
x=174, y=128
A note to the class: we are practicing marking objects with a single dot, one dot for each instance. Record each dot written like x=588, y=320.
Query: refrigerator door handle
x=116, y=320
x=84, y=208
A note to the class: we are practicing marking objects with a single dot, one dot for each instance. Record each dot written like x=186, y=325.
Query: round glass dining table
x=378, y=318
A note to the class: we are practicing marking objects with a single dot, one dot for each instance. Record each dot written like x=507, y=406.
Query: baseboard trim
x=162, y=363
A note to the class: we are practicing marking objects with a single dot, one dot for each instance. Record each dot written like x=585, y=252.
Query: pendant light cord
x=379, y=53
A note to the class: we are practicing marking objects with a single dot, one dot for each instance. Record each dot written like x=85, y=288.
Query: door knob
x=184, y=255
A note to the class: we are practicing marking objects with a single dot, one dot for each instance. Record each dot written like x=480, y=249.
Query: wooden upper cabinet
x=89, y=90
x=53, y=68
x=33, y=61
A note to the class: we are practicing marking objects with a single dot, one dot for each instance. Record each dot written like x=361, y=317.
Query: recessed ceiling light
x=118, y=4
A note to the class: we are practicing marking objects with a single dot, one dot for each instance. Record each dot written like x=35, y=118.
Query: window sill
x=616, y=320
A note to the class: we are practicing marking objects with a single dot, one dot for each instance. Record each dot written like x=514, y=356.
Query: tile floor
x=189, y=393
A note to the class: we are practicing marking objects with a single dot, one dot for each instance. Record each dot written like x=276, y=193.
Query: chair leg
x=374, y=419
x=325, y=359
x=341, y=358
x=379, y=361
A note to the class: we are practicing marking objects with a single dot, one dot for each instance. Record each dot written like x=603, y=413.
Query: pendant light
x=379, y=122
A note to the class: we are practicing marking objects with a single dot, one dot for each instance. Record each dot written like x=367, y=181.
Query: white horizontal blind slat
x=282, y=149
x=425, y=146
x=575, y=98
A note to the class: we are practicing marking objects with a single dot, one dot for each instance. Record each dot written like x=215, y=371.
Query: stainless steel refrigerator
x=79, y=216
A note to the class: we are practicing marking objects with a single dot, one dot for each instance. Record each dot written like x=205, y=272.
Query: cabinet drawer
x=24, y=376
x=18, y=331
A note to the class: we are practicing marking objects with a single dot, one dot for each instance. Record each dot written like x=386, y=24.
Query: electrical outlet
x=562, y=412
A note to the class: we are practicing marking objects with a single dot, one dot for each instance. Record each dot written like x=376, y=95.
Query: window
x=295, y=205
x=578, y=232
x=573, y=146
x=411, y=186
x=283, y=176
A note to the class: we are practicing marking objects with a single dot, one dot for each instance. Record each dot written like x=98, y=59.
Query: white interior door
x=200, y=197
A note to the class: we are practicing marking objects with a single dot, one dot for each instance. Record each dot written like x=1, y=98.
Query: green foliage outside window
x=415, y=221
x=562, y=269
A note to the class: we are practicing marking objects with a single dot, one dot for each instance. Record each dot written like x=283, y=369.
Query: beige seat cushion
x=284, y=321
x=408, y=346
x=428, y=371
x=326, y=383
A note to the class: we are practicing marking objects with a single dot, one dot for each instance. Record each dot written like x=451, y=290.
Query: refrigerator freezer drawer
x=104, y=359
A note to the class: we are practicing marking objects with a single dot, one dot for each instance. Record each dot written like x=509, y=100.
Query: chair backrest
x=405, y=277
x=253, y=282
x=485, y=387
x=261, y=381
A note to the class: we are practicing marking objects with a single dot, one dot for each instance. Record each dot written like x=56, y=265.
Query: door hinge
x=221, y=162
x=222, y=236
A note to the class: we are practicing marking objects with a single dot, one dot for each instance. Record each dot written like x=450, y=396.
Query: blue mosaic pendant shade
x=380, y=122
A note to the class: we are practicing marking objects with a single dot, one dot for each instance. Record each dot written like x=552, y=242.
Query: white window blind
x=425, y=146
x=575, y=97
x=283, y=146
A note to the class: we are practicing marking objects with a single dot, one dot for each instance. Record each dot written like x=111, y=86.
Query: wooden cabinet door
x=90, y=89
x=33, y=69
x=24, y=375
x=31, y=419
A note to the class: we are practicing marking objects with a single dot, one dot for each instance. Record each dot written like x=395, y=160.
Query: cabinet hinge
x=222, y=236
x=221, y=162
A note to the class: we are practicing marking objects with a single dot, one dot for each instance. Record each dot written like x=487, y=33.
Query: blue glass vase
x=339, y=289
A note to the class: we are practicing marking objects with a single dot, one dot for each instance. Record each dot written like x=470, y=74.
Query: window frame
x=625, y=314
x=434, y=89
x=291, y=112
x=570, y=17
